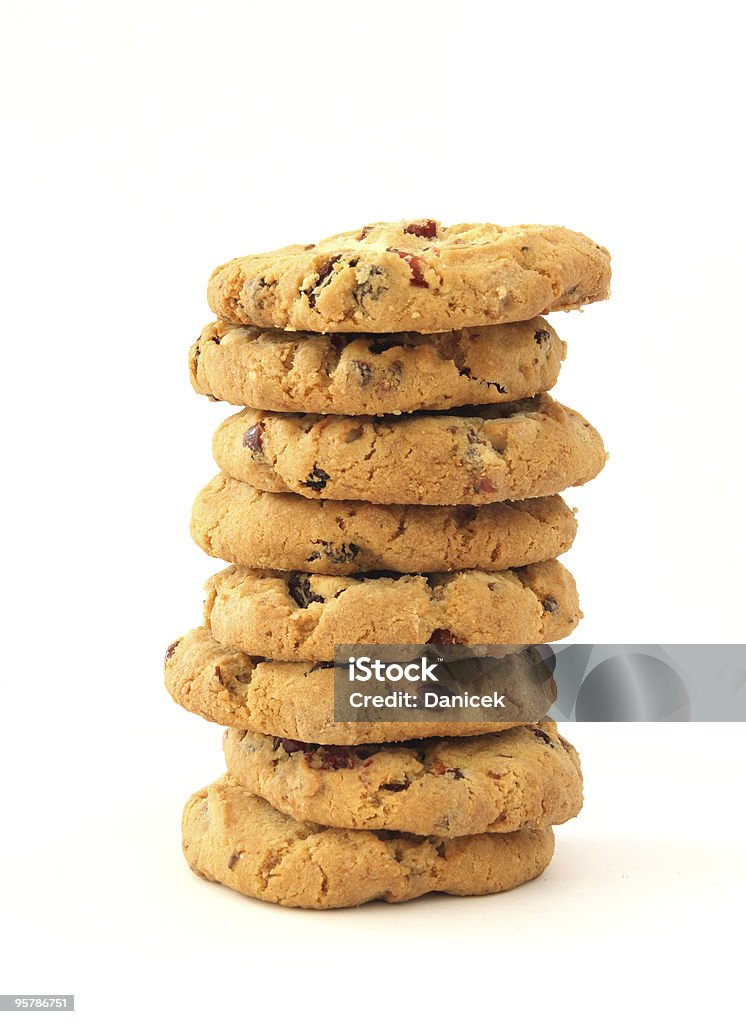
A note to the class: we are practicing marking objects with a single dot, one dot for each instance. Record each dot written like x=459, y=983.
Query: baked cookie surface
x=295, y=700
x=301, y=616
x=359, y=374
x=474, y=456
x=236, y=522
x=240, y=840
x=527, y=777
x=413, y=276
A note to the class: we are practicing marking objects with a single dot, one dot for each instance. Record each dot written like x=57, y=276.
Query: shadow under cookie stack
x=393, y=478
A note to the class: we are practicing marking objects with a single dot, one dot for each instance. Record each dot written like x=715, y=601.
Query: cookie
x=295, y=700
x=417, y=276
x=239, y=840
x=300, y=616
x=234, y=521
x=479, y=455
x=360, y=374
x=528, y=777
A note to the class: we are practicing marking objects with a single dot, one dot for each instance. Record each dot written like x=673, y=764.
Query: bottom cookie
x=240, y=840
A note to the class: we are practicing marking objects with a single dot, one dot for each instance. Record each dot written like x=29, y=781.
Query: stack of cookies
x=392, y=478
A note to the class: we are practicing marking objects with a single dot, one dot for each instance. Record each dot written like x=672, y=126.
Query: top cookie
x=413, y=276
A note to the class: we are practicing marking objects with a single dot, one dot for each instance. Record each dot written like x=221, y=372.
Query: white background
x=144, y=144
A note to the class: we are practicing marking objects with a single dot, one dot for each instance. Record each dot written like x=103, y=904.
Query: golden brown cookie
x=295, y=700
x=232, y=837
x=527, y=777
x=413, y=276
x=477, y=456
x=359, y=374
x=301, y=616
x=234, y=521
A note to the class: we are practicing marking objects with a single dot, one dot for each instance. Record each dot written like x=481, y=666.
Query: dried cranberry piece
x=299, y=587
x=316, y=480
x=443, y=636
x=396, y=787
x=170, y=650
x=438, y=768
x=253, y=438
x=484, y=486
x=422, y=228
x=418, y=276
x=416, y=265
x=334, y=758
x=291, y=746
x=550, y=604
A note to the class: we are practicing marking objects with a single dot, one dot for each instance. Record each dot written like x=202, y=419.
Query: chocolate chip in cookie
x=324, y=274
x=339, y=554
x=299, y=588
x=316, y=480
x=371, y=286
